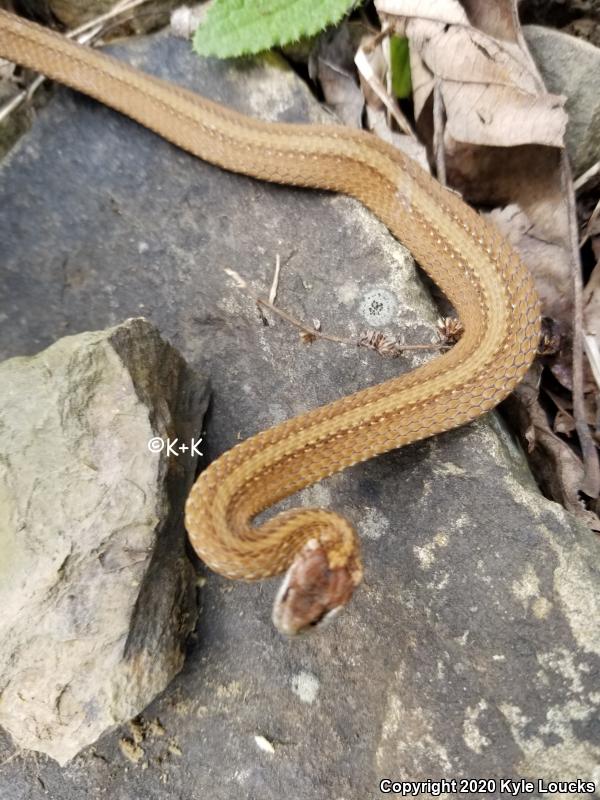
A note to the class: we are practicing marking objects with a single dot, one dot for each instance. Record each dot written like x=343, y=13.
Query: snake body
x=479, y=272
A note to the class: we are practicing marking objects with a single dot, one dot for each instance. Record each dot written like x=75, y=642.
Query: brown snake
x=467, y=258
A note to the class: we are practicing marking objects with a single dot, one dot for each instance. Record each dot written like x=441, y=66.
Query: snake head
x=313, y=592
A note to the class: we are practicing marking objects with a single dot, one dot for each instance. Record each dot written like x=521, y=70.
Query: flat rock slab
x=470, y=649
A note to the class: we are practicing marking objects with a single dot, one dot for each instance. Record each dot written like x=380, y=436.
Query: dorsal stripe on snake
x=476, y=268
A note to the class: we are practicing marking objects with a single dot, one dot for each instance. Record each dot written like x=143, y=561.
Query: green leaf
x=400, y=62
x=241, y=27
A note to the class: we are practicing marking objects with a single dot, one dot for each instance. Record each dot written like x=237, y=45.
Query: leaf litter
x=480, y=118
x=497, y=137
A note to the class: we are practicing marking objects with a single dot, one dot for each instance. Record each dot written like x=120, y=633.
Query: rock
x=571, y=66
x=471, y=649
x=96, y=592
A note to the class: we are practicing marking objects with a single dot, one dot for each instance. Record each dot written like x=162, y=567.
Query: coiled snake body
x=467, y=258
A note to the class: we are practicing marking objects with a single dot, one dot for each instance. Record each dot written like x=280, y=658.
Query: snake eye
x=312, y=593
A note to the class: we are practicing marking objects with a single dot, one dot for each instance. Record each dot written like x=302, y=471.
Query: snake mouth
x=324, y=621
x=312, y=593
x=316, y=625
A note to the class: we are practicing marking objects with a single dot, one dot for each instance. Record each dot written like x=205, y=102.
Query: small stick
x=587, y=175
x=310, y=334
x=591, y=483
x=438, y=132
x=366, y=70
x=275, y=284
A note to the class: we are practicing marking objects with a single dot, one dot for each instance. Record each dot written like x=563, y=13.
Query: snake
x=473, y=264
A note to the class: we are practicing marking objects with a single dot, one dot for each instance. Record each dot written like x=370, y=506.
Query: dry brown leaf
x=449, y=12
x=490, y=94
x=502, y=132
x=563, y=420
x=591, y=303
x=565, y=407
x=491, y=91
x=497, y=135
x=591, y=321
x=564, y=423
x=557, y=469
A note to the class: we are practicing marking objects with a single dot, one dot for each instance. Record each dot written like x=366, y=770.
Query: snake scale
x=479, y=272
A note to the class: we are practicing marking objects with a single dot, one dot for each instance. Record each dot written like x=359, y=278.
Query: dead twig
x=587, y=176
x=438, y=132
x=16, y=754
x=591, y=482
x=373, y=340
x=275, y=284
x=363, y=65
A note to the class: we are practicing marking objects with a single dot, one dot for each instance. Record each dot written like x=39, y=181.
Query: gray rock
x=96, y=592
x=571, y=66
x=471, y=649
